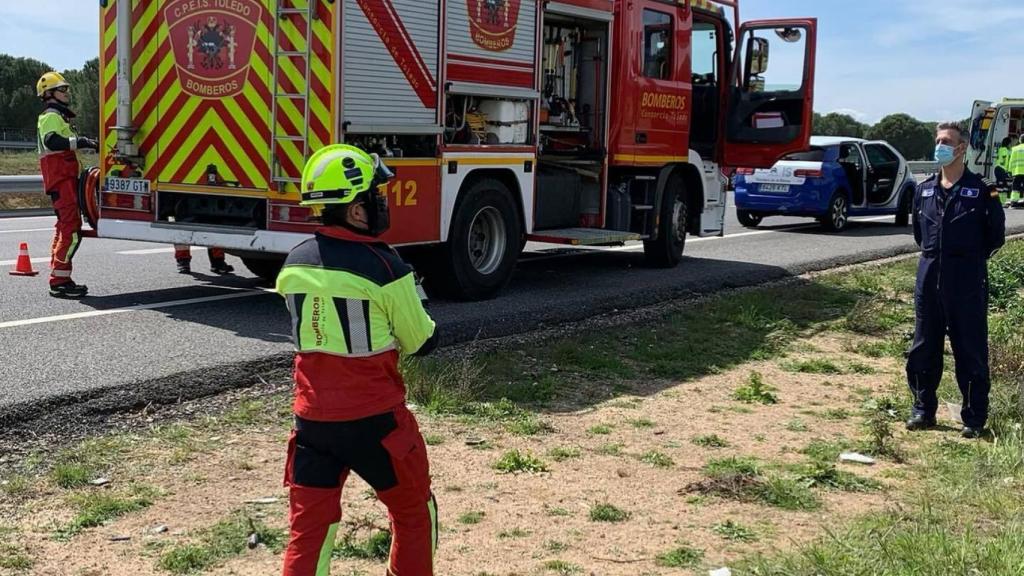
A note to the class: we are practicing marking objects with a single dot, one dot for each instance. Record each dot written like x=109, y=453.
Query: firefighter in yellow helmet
x=355, y=307
x=58, y=161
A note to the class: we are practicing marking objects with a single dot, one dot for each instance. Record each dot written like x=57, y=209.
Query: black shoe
x=184, y=267
x=221, y=267
x=971, y=432
x=920, y=422
x=69, y=290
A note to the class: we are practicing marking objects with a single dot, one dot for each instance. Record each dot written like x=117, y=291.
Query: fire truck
x=576, y=122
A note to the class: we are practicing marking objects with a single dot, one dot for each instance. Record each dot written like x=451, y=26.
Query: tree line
x=19, y=105
x=913, y=138
x=19, y=108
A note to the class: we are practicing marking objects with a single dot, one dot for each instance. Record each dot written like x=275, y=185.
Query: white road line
x=24, y=218
x=50, y=229
x=13, y=262
x=146, y=251
x=246, y=293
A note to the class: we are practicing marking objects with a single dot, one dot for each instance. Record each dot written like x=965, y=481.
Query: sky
x=928, y=58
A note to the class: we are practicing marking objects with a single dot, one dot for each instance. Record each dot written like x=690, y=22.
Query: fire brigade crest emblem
x=492, y=23
x=212, y=42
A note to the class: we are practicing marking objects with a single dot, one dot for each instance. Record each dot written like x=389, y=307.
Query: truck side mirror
x=757, y=58
x=790, y=35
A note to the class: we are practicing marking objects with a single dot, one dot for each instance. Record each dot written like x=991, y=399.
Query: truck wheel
x=838, y=213
x=265, y=268
x=484, y=243
x=903, y=209
x=749, y=219
x=667, y=250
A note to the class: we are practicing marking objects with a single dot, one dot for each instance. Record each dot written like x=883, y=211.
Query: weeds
x=711, y=441
x=220, y=542
x=731, y=530
x=815, y=366
x=563, y=453
x=97, y=508
x=657, y=459
x=376, y=546
x=756, y=391
x=681, y=557
x=607, y=513
x=473, y=517
x=514, y=461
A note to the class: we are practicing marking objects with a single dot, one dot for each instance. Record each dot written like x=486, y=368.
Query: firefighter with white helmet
x=58, y=161
x=355, y=306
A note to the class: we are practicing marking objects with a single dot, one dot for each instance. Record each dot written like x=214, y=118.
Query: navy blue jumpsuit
x=958, y=230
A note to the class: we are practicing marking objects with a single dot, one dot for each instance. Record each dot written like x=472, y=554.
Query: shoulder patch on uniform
x=970, y=192
x=927, y=192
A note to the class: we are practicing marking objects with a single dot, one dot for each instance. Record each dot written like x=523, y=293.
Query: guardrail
x=20, y=184
x=17, y=145
x=926, y=167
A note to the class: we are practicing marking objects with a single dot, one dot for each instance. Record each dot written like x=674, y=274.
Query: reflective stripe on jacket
x=354, y=307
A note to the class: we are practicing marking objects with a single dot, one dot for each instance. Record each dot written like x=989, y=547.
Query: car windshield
x=815, y=154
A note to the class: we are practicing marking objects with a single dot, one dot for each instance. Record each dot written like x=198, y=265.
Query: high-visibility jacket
x=355, y=305
x=55, y=120
x=1017, y=161
x=1003, y=158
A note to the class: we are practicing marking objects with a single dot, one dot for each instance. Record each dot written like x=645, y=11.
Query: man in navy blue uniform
x=959, y=224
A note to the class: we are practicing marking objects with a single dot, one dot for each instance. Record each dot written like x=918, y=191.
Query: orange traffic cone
x=24, y=265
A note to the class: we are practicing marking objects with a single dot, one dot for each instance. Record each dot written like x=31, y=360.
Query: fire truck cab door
x=771, y=96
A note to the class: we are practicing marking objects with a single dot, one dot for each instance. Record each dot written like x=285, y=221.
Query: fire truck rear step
x=583, y=236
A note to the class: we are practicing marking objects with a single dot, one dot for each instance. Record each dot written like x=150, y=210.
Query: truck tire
x=903, y=208
x=265, y=268
x=749, y=219
x=483, y=245
x=838, y=215
x=667, y=249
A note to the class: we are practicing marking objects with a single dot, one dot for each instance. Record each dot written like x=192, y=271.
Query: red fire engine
x=581, y=122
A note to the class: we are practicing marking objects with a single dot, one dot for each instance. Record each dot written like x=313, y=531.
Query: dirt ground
x=550, y=509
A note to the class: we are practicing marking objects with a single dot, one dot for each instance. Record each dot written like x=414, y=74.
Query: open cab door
x=771, y=101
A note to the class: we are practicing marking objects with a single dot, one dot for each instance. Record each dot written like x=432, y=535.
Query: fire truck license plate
x=128, y=185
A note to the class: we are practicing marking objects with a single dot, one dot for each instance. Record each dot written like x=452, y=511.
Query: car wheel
x=749, y=219
x=838, y=213
x=903, y=209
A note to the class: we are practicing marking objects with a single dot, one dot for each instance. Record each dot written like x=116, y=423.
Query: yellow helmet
x=337, y=174
x=50, y=81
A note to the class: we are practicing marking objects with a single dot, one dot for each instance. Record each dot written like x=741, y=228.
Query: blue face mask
x=945, y=154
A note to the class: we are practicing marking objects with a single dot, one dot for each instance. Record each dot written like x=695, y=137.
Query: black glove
x=89, y=143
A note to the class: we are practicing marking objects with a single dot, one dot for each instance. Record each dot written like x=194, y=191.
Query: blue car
x=836, y=179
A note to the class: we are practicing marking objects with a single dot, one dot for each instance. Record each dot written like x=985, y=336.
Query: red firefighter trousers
x=60, y=180
x=388, y=452
x=184, y=252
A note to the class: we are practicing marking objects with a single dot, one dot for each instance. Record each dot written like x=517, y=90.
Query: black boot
x=920, y=422
x=972, y=432
x=184, y=267
x=69, y=291
x=221, y=267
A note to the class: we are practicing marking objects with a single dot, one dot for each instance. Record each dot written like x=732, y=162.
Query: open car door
x=771, y=96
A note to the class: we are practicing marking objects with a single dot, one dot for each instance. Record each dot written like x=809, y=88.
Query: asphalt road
x=147, y=333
